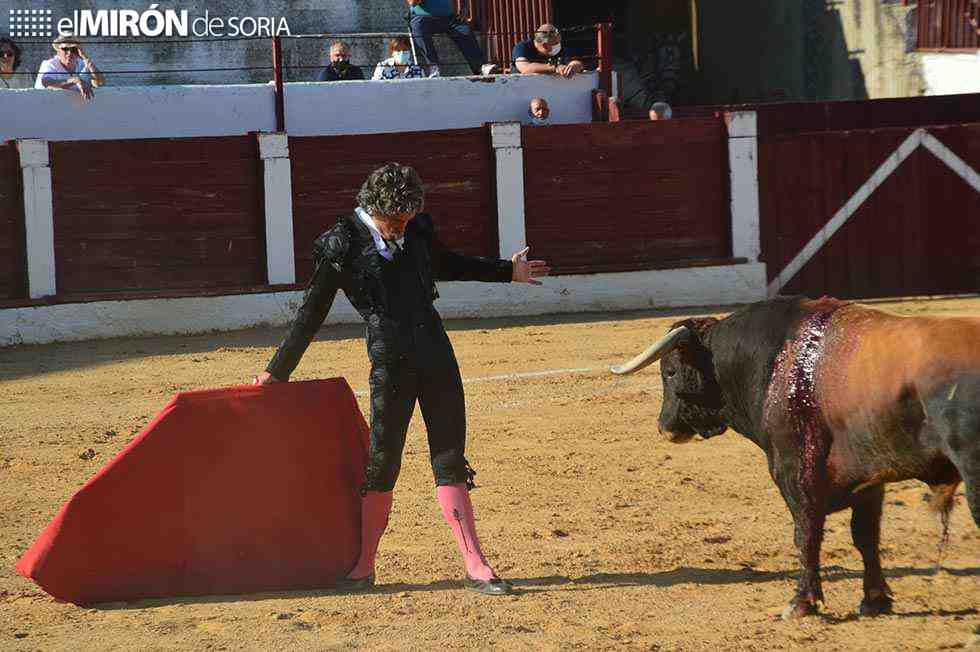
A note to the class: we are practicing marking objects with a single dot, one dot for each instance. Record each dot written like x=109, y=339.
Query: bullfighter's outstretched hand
x=528, y=271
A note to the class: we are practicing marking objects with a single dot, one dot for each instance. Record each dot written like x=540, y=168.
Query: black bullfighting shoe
x=493, y=586
x=352, y=585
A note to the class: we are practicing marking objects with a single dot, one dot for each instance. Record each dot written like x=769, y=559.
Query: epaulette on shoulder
x=333, y=245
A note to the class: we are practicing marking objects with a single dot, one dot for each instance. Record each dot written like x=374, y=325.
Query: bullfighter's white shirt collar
x=379, y=240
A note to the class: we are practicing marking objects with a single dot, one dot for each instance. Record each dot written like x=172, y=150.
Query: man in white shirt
x=66, y=68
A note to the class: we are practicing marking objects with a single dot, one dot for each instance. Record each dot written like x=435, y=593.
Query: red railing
x=948, y=25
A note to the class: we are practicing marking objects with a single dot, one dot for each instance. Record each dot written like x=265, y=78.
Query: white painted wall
x=430, y=104
x=312, y=109
x=138, y=112
x=950, y=74
x=700, y=286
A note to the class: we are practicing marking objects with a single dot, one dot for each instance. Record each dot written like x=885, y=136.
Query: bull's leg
x=942, y=501
x=972, y=487
x=809, y=537
x=806, y=496
x=866, y=533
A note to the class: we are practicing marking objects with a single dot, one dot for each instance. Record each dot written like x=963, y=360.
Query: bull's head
x=692, y=401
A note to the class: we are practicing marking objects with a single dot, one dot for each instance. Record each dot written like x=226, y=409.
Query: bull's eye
x=671, y=372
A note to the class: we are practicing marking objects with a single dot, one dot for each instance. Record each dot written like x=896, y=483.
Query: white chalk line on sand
x=518, y=376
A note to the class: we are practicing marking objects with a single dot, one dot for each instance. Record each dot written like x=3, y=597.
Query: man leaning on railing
x=70, y=69
x=544, y=55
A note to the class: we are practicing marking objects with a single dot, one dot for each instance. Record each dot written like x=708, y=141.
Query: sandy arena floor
x=615, y=538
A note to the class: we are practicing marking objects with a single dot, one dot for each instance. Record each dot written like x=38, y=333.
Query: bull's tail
x=941, y=503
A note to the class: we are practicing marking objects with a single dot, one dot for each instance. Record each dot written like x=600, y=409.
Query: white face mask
x=402, y=57
x=555, y=50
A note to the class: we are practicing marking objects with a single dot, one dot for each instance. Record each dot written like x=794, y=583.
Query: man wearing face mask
x=386, y=257
x=340, y=68
x=543, y=55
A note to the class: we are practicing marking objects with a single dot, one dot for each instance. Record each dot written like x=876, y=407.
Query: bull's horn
x=654, y=353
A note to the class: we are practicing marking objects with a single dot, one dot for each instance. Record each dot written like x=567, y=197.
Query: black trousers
x=429, y=376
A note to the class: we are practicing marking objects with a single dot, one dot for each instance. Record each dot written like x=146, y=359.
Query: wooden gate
x=627, y=196
x=872, y=213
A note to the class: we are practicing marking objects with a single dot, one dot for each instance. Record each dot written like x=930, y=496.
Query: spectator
x=339, y=68
x=69, y=69
x=431, y=17
x=543, y=54
x=399, y=65
x=661, y=111
x=539, y=111
x=9, y=62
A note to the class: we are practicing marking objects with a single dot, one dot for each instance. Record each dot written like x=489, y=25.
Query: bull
x=842, y=398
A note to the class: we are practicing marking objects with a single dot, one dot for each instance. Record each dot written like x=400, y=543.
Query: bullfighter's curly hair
x=390, y=190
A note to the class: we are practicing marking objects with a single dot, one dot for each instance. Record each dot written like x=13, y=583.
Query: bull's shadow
x=715, y=576
x=594, y=582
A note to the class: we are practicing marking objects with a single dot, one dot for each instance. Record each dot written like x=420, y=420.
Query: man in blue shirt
x=431, y=17
x=543, y=55
x=340, y=68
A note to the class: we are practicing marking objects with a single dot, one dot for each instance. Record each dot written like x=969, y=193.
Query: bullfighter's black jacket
x=411, y=355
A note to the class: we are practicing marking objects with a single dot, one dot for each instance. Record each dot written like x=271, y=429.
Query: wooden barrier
x=796, y=117
x=915, y=233
x=627, y=196
x=456, y=167
x=13, y=275
x=151, y=215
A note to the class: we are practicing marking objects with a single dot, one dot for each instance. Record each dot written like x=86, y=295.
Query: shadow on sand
x=30, y=360
x=594, y=582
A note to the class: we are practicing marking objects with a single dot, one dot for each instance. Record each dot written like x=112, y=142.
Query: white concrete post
x=280, y=259
x=506, y=140
x=743, y=165
x=38, y=217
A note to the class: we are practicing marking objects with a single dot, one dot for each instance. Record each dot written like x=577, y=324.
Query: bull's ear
x=698, y=326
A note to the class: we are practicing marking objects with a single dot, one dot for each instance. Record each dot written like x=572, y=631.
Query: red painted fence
x=627, y=196
x=13, y=276
x=136, y=215
x=455, y=165
x=917, y=233
x=184, y=217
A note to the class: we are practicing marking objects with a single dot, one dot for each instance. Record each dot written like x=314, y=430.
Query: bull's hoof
x=876, y=606
x=799, y=609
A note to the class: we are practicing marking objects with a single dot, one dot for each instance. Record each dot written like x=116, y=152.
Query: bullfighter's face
x=392, y=227
x=692, y=397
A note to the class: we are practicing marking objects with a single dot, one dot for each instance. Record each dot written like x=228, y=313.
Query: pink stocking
x=458, y=512
x=375, y=507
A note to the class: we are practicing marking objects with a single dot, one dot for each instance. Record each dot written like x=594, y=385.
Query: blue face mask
x=402, y=57
x=538, y=122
